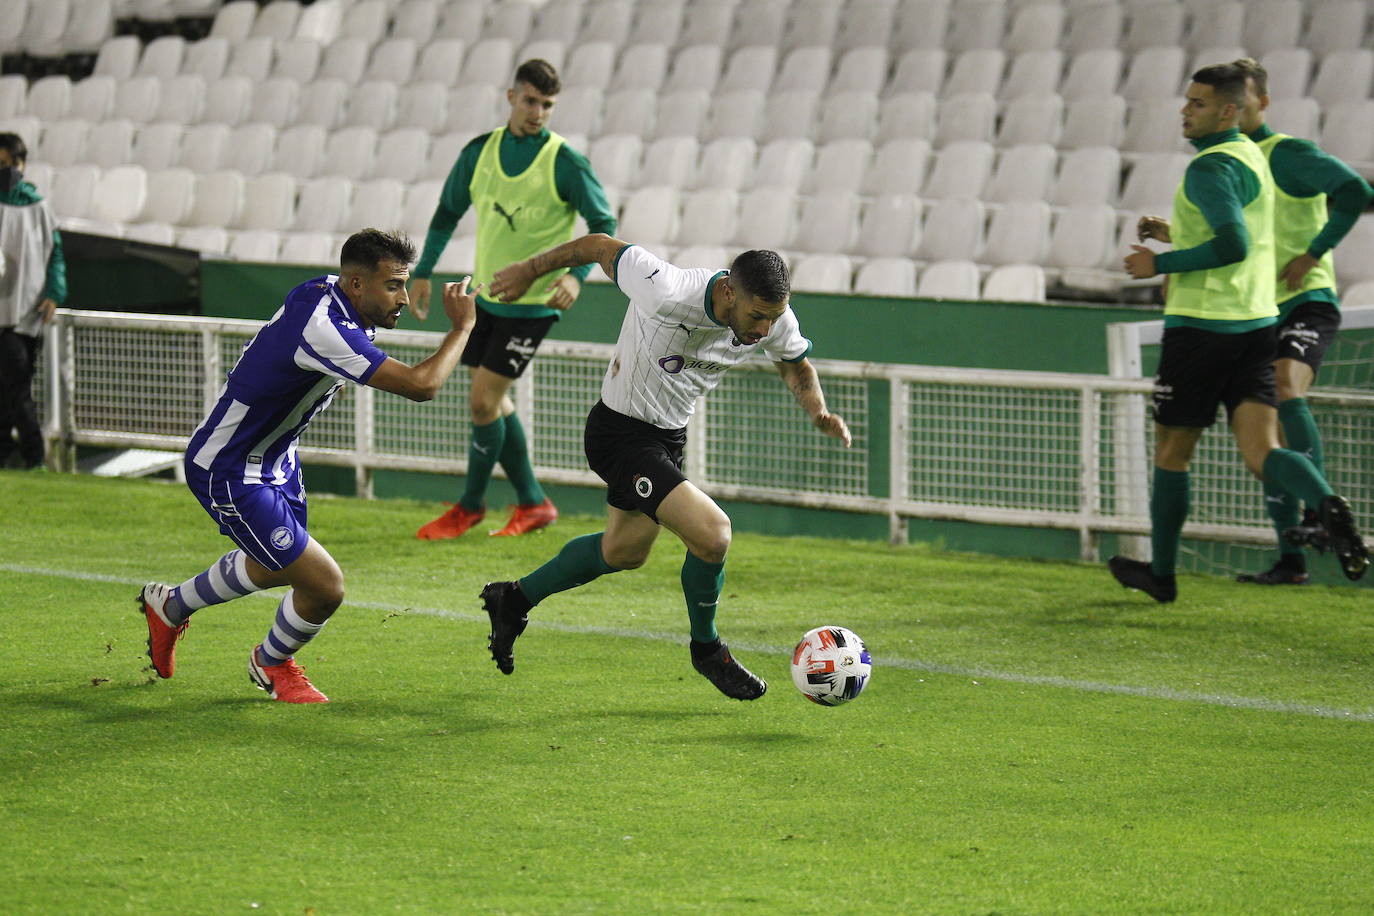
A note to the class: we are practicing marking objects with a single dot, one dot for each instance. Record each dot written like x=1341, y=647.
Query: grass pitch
x=1034, y=740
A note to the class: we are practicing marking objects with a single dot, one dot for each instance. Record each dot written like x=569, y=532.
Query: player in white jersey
x=241, y=462
x=683, y=329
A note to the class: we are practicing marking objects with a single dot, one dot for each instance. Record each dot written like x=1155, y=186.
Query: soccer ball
x=831, y=665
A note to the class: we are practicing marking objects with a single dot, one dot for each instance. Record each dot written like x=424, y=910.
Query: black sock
x=702, y=650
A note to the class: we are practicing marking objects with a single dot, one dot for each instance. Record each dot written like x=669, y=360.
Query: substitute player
x=1219, y=332
x=683, y=329
x=1317, y=199
x=527, y=187
x=241, y=462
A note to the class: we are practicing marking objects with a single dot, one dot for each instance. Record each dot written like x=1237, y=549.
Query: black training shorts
x=505, y=345
x=640, y=462
x=1199, y=370
x=1306, y=334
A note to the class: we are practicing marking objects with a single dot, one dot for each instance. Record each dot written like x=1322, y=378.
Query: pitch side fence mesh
x=1034, y=449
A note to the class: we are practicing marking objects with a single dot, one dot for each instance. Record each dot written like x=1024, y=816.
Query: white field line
x=1229, y=701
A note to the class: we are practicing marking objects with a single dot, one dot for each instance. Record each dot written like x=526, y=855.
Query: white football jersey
x=671, y=349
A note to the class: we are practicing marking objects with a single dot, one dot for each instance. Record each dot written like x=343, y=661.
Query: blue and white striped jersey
x=286, y=375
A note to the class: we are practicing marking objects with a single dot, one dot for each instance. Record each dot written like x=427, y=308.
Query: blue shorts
x=266, y=521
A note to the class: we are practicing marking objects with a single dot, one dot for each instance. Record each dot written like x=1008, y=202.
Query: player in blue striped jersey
x=241, y=462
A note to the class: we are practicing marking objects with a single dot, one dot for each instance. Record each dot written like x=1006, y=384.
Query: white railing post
x=364, y=440
x=1124, y=360
x=1090, y=487
x=898, y=458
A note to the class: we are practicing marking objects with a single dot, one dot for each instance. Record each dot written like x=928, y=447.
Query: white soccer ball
x=831, y=665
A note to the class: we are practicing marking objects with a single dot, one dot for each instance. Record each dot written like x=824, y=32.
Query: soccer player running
x=241, y=462
x=527, y=187
x=1306, y=180
x=682, y=330
x=1219, y=332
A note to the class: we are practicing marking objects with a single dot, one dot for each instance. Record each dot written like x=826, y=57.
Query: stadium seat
x=297, y=59
x=474, y=109
x=949, y=279
x=629, y=111
x=1289, y=70
x=823, y=273
x=424, y=106
x=1222, y=24
x=840, y=165
x=151, y=233
x=12, y=28
x=899, y=167
x=202, y=147
x=401, y=154
x=367, y=21
x=323, y=205
x=790, y=115
x=1298, y=117
x=890, y=227
x=73, y=189
x=650, y=216
x=218, y=199
x=118, y=57
x=592, y=65
x=275, y=101
x=459, y=20
x=849, y=115
x=681, y=113
x=709, y=24
x=862, y=69
x=606, y=20
x=460, y=255
x=1209, y=55
x=921, y=25
x=349, y=153
x=738, y=113
x=277, y=20
x=783, y=163
x=1348, y=133
x=417, y=207
x=373, y=103
x=905, y=115
x=50, y=97
x=1154, y=73
x=829, y=222
x=768, y=218
x=725, y=163
x=444, y=152
x=1031, y=119
x=488, y=62
x=964, y=117
x=976, y=24
x=1336, y=25
x=1153, y=179
x=1158, y=24
x=1353, y=264
x=64, y=142
x=615, y=159
x=255, y=246
x=1018, y=233
x=43, y=28
x=249, y=149
x=952, y=228
x=321, y=21
x=392, y=61
x=1343, y=76
x=1271, y=25
x=14, y=90
x=1088, y=176
x=440, y=62
x=205, y=239
x=157, y=146
x=312, y=248
x=669, y=161
x=759, y=22
x=1095, y=72
x=868, y=25
x=643, y=66
x=1358, y=294
x=344, y=60
x=812, y=24
x=976, y=71
x=269, y=202
x=182, y=99
x=694, y=67
x=138, y=98
x=250, y=58
x=1084, y=237
x=1094, y=27
x=509, y=21
x=1015, y=283
x=323, y=102
x=709, y=217
x=806, y=68
x=110, y=144
x=1094, y=121
x=1035, y=27
x=300, y=150
x=558, y=19
x=886, y=277
x=705, y=257
x=1024, y=172
x=227, y=100
x=918, y=70
x=749, y=68
x=162, y=57
x=960, y=170
x=1033, y=73
x=1154, y=126
x=207, y=58
x=377, y=203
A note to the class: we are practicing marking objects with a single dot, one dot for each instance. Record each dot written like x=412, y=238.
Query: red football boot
x=162, y=636
x=285, y=682
x=529, y=518
x=453, y=523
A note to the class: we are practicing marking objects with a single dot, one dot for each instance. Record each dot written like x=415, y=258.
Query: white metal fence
x=1037, y=449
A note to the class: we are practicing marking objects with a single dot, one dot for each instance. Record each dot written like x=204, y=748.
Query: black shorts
x=1306, y=334
x=505, y=345
x=640, y=462
x=1198, y=370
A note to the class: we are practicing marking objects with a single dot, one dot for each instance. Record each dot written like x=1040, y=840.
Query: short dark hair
x=370, y=247
x=14, y=145
x=1226, y=80
x=541, y=75
x=1255, y=70
x=762, y=274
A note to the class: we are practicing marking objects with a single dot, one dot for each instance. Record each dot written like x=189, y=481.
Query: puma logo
x=654, y=274
x=509, y=217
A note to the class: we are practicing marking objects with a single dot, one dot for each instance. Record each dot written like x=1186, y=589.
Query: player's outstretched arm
x=805, y=385
x=511, y=282
x=422, y=381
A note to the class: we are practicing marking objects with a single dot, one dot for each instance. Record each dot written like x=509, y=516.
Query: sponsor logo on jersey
x=677, y=362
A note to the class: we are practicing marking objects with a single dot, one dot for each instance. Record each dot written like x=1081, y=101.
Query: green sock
x=482, y=454
x=1300, y=429
x=1282, y=507
x=515, y=459
x=579, y=562
x=1168, y=511
x=701, y=585
x=1295, y=473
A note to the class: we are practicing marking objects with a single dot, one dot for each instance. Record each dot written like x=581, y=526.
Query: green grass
x=994, y=764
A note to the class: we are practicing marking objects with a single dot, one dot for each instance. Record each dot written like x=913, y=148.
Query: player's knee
x=715, y=545
x=624, y=556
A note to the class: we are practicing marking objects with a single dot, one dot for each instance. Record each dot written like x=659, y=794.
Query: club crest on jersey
x=281, y=537
x=644, y=487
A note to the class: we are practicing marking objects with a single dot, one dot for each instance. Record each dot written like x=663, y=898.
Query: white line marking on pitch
x=1229, y=701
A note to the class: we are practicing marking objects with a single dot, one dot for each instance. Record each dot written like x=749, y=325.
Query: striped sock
x=225, y=581
x=289, y=632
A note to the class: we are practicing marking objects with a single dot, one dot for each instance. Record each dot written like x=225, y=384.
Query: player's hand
x=511, y=282
x=48, y=308
x=1140, y=263
x=419, y=297
x=461, y=305
x=1154, y=227
x=1296, y=270
x=565, y=290
x=832, y=424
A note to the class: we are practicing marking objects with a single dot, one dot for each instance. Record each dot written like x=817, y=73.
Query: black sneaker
x=1278, y=574
x=1339, y=523
x=730, y=677
x=509, y=611
x=1308, y=533
x=1137, y=574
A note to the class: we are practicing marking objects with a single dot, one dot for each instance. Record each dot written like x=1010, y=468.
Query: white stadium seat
x=886, y=277
x=1015, y=283
x=890, y=226
x=949, y=279
x=823, y=273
